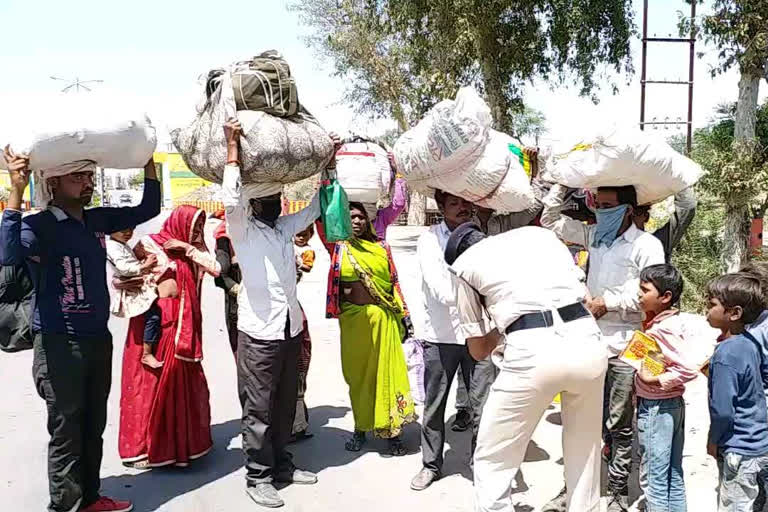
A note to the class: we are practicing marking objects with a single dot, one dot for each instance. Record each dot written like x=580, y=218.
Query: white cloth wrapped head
x=43, y=191
x=260, y=190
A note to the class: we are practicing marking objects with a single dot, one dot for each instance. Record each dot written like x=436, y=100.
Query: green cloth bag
x=334, y=211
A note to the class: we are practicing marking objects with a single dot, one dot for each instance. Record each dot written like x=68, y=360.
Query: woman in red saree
x=165, y=415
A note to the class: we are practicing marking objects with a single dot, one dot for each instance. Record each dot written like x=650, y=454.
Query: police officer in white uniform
x=521, y=297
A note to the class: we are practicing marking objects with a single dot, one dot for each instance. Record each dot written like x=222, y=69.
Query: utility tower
x=644, y=81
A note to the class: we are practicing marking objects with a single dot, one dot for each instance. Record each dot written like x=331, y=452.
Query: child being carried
x=135, y=290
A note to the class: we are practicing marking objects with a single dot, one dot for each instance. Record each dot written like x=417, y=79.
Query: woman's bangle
x=233, y=162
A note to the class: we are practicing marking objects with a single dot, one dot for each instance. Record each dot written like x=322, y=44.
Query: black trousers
x=441, y=361
x=267, y=381
x=74, y=377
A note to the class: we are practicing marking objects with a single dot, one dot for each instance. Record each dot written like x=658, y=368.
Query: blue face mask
x=609, y=221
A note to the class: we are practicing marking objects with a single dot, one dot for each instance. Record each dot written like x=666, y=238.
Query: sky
x=152, y=53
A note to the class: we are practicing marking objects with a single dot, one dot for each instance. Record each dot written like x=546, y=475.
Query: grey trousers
x=441, y=362
x=618, y=412
x=267, y=381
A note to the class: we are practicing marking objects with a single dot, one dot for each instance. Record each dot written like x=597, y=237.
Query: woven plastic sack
x=334, y=211
x=94, y=126
x=498, y=181
x=624, y=156
x=414, y=360
x=272, y=149
x=363, y=170
x=451, y=137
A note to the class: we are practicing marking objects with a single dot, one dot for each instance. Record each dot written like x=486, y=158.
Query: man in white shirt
x=270, y=324
x=618, y=252
x=445, y=350
x=544, y=341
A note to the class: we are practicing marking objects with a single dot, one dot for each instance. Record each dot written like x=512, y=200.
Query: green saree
x=372, y=358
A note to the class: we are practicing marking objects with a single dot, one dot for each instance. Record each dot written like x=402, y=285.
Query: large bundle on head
x=281, y=143
x=454, y=149
x=622, y=157
x=362, y=168
x=70, y=128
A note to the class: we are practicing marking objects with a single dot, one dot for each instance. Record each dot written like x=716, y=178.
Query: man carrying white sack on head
x=270, y=324
x=64, y=248
x=618, y=252
x=544, y=342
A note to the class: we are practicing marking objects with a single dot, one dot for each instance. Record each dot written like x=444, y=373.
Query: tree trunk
x=737, y=214
x=738, y=224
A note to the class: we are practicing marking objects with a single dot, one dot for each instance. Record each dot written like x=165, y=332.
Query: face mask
x=270, y=211
x=609, y=221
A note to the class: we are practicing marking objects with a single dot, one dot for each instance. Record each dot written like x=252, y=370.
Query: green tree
x=529, y=123
x=137, y=180
x=502, y=45
x=739, y=30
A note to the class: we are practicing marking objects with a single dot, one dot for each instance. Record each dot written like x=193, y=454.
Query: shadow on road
x=152, y=489
x=326, y=448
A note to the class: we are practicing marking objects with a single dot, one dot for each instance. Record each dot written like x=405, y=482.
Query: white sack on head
x=43, y=192
x=272, y=149
x=363, y=169
x=451, y=137
x=69, y=128
x=622, y=157
x=498, y=181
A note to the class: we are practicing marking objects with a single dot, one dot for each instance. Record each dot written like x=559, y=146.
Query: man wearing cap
x=526, y=307
x=65, y=251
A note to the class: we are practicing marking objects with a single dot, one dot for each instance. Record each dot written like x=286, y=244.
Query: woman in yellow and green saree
x=364, y=294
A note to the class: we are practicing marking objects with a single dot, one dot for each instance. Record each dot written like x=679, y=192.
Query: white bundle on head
x=260, y=190
x=43, y=192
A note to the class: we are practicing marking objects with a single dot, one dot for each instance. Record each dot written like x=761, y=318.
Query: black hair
x=357, y=205
x=666, y=278
x=739, y=289
x=625, y=195
x=759, y=269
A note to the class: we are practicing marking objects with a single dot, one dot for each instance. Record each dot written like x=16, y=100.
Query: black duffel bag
x=265, y=83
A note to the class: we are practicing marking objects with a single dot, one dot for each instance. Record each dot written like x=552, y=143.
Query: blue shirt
x=67, y=261
x=737, y=408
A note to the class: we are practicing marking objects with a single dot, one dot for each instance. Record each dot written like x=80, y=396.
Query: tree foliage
x=739, y=31
x=501, y=45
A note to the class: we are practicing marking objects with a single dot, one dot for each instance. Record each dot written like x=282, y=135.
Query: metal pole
x=689, y=138
x=643, y=71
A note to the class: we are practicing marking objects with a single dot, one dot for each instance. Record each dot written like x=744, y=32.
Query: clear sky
x=154, y=51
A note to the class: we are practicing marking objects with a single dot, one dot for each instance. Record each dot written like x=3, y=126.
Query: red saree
x=165, y=414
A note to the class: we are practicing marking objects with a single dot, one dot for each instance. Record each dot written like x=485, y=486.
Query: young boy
x=738, y=434
x=305, y=256
x=660, y=405
x=140, y=298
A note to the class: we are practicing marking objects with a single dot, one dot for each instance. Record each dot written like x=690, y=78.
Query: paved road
x=348, y=482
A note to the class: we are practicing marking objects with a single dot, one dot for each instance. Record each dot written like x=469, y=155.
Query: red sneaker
x=105, y=504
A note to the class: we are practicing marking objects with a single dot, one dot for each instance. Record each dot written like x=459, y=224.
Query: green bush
x=699, y=255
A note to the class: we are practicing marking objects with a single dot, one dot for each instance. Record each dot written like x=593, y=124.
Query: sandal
x=397, y=448
x=141, y=464
x=356, y=442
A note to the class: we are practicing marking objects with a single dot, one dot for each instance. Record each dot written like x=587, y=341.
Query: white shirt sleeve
x=237, y=210
x=552, y=218
x=474, y=323
x=625, y=297
x=434, y=270
x=300, y=220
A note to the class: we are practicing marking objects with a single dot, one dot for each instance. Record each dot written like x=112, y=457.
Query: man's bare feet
x=151, y=361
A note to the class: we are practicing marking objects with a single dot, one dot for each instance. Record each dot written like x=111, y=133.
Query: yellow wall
x=5, y=182
x=183, y=181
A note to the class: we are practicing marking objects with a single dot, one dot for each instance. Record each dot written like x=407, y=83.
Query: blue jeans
x=661, y=435
x=740, y=480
